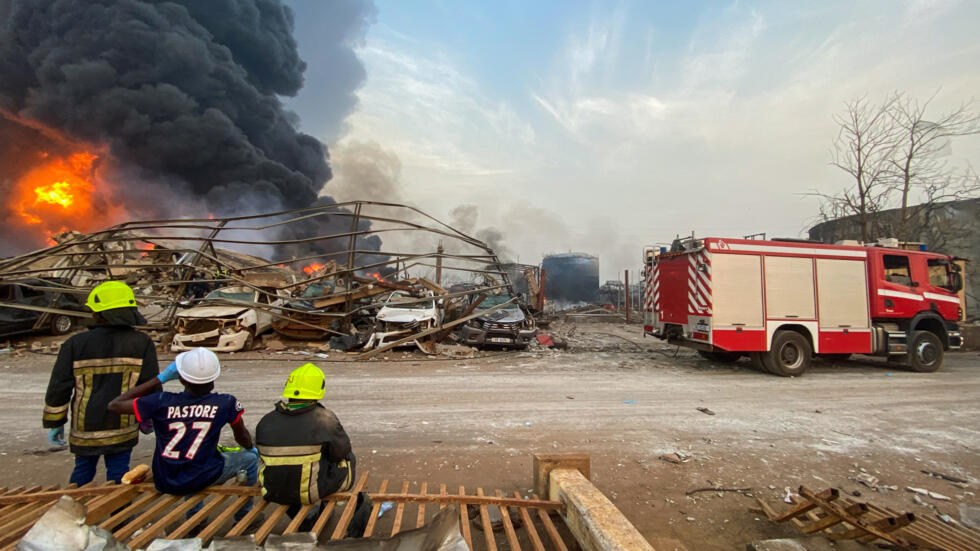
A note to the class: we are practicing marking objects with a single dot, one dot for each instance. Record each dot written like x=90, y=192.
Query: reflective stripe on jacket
x=93, y=368
x=305, y=454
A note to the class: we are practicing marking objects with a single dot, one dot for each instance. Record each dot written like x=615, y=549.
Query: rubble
x=200, y=294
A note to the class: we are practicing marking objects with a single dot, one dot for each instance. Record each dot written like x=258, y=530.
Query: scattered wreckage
x=322, y=276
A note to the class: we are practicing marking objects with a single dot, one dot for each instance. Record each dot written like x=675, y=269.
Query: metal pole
x=439, y=251
x=626, y=288
x=351, y=247
x=541, y=279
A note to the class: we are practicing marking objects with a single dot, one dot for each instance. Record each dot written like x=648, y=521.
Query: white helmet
x=198, y=366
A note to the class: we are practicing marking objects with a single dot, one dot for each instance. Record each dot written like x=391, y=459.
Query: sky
x=602, y=127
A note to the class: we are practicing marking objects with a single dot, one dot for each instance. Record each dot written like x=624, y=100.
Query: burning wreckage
x=199, y=282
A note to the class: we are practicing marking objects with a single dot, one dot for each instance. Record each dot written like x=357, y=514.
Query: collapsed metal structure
x=315, y=282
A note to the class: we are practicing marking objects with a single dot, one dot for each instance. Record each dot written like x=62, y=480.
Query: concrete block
x=545, y=462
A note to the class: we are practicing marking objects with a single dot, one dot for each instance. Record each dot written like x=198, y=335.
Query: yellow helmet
x=305, y=383
x=109, y=295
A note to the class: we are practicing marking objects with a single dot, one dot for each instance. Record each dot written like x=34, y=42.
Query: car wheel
x=720, y=357
x=925, y=352
x=249, y=343
x=790, y=354
x=62, y=324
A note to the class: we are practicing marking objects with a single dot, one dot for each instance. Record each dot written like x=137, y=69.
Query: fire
x=59, y=194
x=375, y=275
x=313, y=268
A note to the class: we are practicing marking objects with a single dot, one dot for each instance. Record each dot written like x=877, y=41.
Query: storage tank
x=571, y=277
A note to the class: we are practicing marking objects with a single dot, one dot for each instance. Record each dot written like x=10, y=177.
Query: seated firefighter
x=188, y=426
x=305, y=451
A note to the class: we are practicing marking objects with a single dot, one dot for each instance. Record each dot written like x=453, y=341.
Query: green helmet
x=110, y=295
x=305, y=383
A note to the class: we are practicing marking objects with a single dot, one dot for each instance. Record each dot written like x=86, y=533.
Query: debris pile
x=222, y=283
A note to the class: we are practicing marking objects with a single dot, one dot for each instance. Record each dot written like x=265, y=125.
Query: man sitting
x=188, y=426
x=306, y=453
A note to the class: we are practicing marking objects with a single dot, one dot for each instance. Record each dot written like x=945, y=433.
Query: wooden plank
x=532, y=532
x=595, y=522
x=106, y=504
x=830, y=494
x=215, y=525
x=270, y=523
x=457, y=500
x=856, y=510
x=442, y=492
x=123, y=533
x=900, y=522
x=399, y=512
x=246, y=521
x=464, y=520
x=420, y=519
x=27, y=496
x=508, y=526
x=935, y=533
x=15, y=527
x=324, y=517
x=487, y=527
x=199, y=516
x=870, y=528
x=375, y=508
x=298, y=519
x=341, y=529
x=549, y=528
x=119, y=516
x=150, y=533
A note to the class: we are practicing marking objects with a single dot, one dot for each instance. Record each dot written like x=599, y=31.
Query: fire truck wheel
x=720, y=357
x=790, y=354
x=759, y=361
x=925, y=352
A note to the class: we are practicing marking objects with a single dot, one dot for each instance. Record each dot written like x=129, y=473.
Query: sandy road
x=478, y=421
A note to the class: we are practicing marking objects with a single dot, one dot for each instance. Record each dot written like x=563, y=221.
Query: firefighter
x=188, y=426
x=92, y=368
x=306, y=453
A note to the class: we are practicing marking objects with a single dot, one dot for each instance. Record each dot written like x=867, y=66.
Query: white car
x=226, y=320
x=403, y=315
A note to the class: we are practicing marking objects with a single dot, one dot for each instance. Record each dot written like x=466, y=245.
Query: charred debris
x=224, y=282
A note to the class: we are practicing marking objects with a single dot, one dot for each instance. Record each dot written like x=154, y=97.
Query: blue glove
x=169, y=374
x=255, y=451
x=56, y=436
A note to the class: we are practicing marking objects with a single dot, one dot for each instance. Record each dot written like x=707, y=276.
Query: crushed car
x=226, y=319
x=509, y=327
x=34, y=292
x=402, y=315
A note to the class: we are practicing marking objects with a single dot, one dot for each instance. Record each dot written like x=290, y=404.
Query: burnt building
x=571, y=277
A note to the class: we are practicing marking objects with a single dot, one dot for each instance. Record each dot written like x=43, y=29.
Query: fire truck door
x=898, y=293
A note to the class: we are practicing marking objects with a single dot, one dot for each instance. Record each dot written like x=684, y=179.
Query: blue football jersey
x=187, y=431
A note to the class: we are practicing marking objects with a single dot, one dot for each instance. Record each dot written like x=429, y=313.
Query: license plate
x=501, y=339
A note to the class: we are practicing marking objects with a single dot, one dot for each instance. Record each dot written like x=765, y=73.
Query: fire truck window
x=897, y=269
x=938, y=274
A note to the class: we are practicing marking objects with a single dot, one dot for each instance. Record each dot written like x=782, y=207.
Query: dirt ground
x=623, y=399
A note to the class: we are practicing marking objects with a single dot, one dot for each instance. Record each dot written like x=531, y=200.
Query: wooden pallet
x=845, y=519
x=139, y=514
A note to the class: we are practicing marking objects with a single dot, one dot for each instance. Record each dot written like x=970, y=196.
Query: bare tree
x=864, y=148
x=895, y=158
x=920, y=171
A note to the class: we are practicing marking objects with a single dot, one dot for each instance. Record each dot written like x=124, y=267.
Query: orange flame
x=313, y=268
x=60, y=194
x=375, y=275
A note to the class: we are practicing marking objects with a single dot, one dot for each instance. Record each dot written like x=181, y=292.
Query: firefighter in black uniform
x=93, y=368
x=305, y=452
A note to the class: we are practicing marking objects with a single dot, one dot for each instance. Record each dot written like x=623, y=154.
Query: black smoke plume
x=185, y=94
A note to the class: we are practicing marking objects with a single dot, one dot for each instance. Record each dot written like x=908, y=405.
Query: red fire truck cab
x=782, y=302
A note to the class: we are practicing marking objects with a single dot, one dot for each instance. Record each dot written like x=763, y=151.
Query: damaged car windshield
x=494, y=300
x=399, y=301
x=217, y=296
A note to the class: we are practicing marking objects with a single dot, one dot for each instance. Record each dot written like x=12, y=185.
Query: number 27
x=179, y=429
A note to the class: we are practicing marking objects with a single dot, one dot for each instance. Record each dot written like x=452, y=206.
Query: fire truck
x=782, y=302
